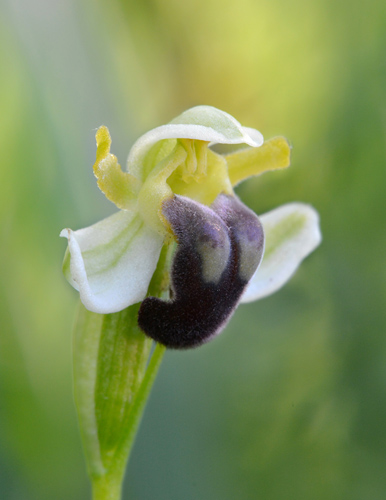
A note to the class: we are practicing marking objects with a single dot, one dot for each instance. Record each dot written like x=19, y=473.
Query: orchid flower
x=178, y=190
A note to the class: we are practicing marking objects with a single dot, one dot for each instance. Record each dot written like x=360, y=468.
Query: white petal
x=292, y=232
x=203, y=123
x=112, y=261
x=255, y=135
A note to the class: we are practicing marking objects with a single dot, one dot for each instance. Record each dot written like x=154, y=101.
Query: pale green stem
x=107, y=487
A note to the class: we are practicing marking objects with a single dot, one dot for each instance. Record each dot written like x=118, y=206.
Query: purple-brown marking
x=227, y=237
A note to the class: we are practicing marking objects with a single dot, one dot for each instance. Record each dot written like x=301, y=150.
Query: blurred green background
x=290, y=401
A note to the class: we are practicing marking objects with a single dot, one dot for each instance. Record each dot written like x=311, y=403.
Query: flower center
x=191, y=169
x=185, y=167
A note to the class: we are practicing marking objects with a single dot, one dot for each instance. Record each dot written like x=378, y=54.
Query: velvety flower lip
x=219, y=249
x=172, y=172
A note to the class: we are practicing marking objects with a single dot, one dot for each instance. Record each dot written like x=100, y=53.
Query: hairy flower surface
x=177, y=189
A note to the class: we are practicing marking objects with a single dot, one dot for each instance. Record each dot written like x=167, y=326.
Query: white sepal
x=112, y=262
x=203, y=123
x=292, y=232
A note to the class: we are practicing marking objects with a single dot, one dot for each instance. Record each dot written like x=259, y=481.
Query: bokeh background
x=290, y=401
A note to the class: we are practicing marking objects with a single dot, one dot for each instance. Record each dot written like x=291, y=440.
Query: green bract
x=111, y=263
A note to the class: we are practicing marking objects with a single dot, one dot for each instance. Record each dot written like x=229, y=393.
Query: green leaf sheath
x=85, y=357
x=113, y=374
x=122, y=358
